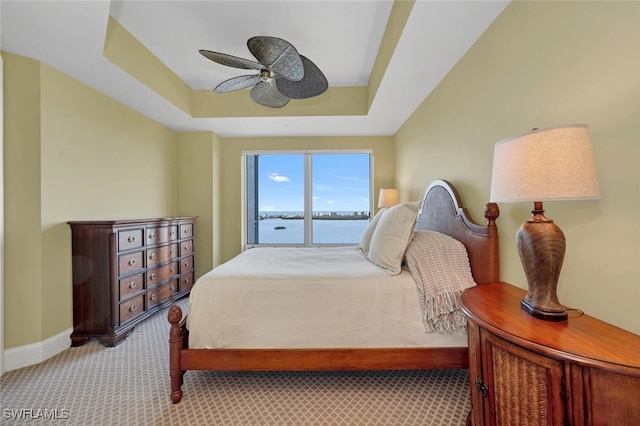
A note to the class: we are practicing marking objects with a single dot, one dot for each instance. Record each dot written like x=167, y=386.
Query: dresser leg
x=111, y=341
x=78, y=340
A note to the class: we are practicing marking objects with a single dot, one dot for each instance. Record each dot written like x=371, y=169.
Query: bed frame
x=441, y=211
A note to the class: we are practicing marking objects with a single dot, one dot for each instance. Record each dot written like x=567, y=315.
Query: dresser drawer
x=186, y=264
x=130, y=285
x=186, y=247
x=161, y=254
x=186, y=281
x=129, y=239
x=161, y=293
x=131, y=308
x=163, y=273
x=130, y=262
x=161, y=234
x=186, y=230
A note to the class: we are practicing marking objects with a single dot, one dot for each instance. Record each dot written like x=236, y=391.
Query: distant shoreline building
x=358, y=215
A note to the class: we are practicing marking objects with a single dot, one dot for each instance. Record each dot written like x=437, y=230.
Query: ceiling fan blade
x=267, y=94
x=237, y=83
x=313, y=83
x=231, y=61
x=278, y=56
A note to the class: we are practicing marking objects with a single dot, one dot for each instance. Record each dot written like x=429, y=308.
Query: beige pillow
x=392, y=236
x=365, y=239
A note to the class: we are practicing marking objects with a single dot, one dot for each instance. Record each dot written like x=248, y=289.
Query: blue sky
x=340, y=182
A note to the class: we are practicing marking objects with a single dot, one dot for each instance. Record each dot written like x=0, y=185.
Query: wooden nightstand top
x=582, y=339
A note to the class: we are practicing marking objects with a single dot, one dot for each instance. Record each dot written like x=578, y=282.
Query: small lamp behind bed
x=388, y=197
x=544, y=165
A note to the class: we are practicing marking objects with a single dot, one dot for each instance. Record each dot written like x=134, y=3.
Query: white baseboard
x=35, y=353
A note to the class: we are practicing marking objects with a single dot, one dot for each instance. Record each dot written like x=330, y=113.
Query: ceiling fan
x=283, y=73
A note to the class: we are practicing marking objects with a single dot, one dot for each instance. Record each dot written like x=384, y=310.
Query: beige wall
x=99, y=160
x=70, y=154
x=542, y=64
x=23, y=246
x=199, y=184
x=231, y=173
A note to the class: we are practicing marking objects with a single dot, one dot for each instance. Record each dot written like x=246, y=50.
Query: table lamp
x=549, y=164
x=388, y=197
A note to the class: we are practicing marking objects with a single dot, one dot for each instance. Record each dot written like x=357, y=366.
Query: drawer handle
x=186, y=264
x=187, y=280
x=173, y=232
x=154, y=276
x=152, y=235
x=131, y=238
x=132, y=308
x=173, y=269
x=172, y=251
x=482, y=388
x=186, y=230
x=186, y=248
x=132, y=262
x=172, y=287
x=153, y=255
x=133, y=284
x=154, y=296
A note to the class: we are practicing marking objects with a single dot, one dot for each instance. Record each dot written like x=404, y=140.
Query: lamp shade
x=549, y=164
x=388, y=197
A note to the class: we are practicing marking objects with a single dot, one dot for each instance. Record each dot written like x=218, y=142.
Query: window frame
x=308, y=193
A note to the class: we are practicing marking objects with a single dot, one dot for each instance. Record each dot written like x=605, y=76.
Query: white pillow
x=365, y=239
x=392, y=236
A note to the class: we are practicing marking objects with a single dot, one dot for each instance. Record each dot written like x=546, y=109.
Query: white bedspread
x=308, y=298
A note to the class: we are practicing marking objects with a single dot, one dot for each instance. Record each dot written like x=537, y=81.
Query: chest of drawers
x=124, y=270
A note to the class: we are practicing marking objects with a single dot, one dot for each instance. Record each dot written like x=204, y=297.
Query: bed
x=212, y=338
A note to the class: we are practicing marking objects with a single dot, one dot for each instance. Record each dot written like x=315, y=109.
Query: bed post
x=176, y=343
x=491, y=213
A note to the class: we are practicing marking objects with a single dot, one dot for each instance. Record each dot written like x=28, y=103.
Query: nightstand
x=526, y=371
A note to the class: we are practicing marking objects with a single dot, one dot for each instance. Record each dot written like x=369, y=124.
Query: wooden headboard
x=442, y=211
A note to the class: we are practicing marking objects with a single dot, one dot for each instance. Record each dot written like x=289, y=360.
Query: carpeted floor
x=129, y=385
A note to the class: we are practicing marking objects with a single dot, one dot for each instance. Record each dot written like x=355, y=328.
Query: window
x=306, y=198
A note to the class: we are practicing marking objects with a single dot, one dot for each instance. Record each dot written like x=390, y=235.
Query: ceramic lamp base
x=541, y=246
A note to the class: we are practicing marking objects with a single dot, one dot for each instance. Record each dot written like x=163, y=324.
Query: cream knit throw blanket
x=440, y=267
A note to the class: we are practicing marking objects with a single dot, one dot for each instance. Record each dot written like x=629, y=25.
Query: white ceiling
x=341, y=37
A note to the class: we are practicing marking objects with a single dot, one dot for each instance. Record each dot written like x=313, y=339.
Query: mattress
x=320, y=297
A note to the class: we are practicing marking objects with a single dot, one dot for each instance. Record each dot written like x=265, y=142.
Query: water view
x=328, y=227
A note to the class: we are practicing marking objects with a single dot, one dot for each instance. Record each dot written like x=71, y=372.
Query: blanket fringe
x=442, y=313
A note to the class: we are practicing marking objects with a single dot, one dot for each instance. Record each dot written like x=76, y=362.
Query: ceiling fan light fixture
x=266, y=75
